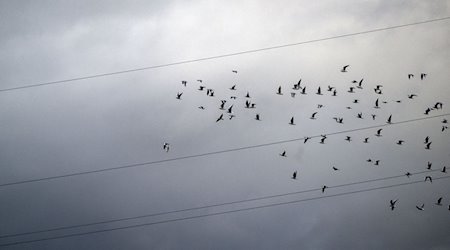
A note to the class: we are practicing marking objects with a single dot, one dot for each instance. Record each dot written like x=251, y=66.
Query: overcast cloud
x=124, y=119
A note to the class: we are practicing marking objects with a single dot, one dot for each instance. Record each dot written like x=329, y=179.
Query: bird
x=422, y=76
x=283, y=153
x=292, y=121
x=335, y=168
x=330, y=88
x=334, y=92
x=344, y=69
x=201, y=88
x=229, y=110
x=444, y=121
x=377, y=162
x=257, y=117
x=376, y=104
x=293, y=94
x=200, y=80
x=444, y=169
x=306, y=139
x=392, y=203
x=366, y=140
x=427, y=111
x=233, y=87
x=279, y=91
x=360, y=84
x=421, y=207
x=373, y=116
x=184, y=83
x=220, y=118
x=234, y=71
x=247, y=95
x=408, y=174
x=179, y=95
x=438, y=105
x=303, y=92
x=429, y=165
x=427, y=139
x=356, y=101
x=313, y=116
x=378, y=132
x=438, y=202
x=201, y=107
x=400, y=142
x=428, y=178
x=222, y=105
x=350, y=90
x=322, y=140
x=319, y=106
x=323, y=188
x=369, y=160
x=410, y=76
x=166, y=146
x=348, y=138
x=359, y=115
x=444, y=128
x=247, y=104
x=389, y=120
x=294, y=175
x=209, y=91
x=411, y=96
x=253, y=105
x=398, y=101
x=427, y=146
x=231, y=116
x=319, y=92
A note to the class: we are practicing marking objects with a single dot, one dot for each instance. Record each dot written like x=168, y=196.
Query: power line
x=215, y=214
x=213, y=152
x=223, y=55
x=209, y=206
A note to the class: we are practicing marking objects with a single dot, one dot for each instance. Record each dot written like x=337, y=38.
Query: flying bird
x=334, y=92
x=427, y=146
x=313, y=116
x=429, y=165
x=247, y=95
x=293, y=94
x=439, y=201
x=392, y=203
x=378, y=132
x=229, y=111
x=408, y=174
x=400, y=142
x=348, y=138
x=294, y=175
x=319, y=92
x=234, y=71
x=292, y=121
x=344, y=69
x=360, y=84
x=389, y=120
x=410, y=76
x=306, y=139
x=283, y=153
x=184, y=83
x=201, y=88
x=323, y=188
x=166, y=146
x=233, y=87
x=421, y=207
x=335, y=168
x=220, y=118
x=179, y=95
x=373, y=116
x=200, y=80
x=201, y=107
x=376, y=104
x=411, y=96
x=322, y=140
x=359, y=115
x=303, y=92
x=257, y=117
x=444, y=169
x=429, y=178
x=330, y=88
x=350, y=90
x=377, y=162
x=279, y=91
x=366, y=140
x=422, y=76
x=427, y=139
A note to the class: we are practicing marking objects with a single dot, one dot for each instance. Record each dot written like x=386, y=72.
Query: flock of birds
x=300, y=89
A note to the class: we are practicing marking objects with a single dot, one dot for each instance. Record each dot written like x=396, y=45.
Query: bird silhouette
x=389, y=120
x=279, y=91
x=378, y=132
x=201, y=107
x=233, y=87
x=234, y=71
x=411, y=96
x=334, y=92
x=220, y=118
x=366, y=140
x=322, y=140
x=306, y=139
x=303, y=92
x=373, y=116
x=359, y=115
x=330, y=88
x=444, y=169
x=319, y=92
x=231, y=116
x=400, y=142
x=294, y=175
x=179, y=95
x=344, y=69
x=166, y=146
x=283, y=153
x=292, y=121
x=444, y=121
x=335, y=168
x=422, y=76
x=427, y=111
x=427, y=146
x=222, y=105
x=348, y=138
x=444, y=128
x=410, y=76
x=369, y=160
x=392, y=203
x=360, y=84
x=408, y=174
x=377, y=162
x=293, y=94
x=429, y=165
x=421, y=207
x=376, y=104
x=323, y=188
x=247, y=95
x=438, y=105
x=313, y=116
x=350, y=90
x=257, y=117
x=438, y=202
x=427, y=139
x=356, y=101
x=184, y=83
x=428, y=178
x=201, y=88
x=200, y=80
x=229, y=110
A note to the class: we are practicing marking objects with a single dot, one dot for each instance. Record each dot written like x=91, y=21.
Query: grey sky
x=124, y=119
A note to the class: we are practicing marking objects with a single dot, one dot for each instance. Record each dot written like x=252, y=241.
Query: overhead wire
x=222, y=55
x=142, y=164
x=210, y=206
x=215, y=214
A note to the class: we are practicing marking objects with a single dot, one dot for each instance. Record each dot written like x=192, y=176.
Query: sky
x=124, y=119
